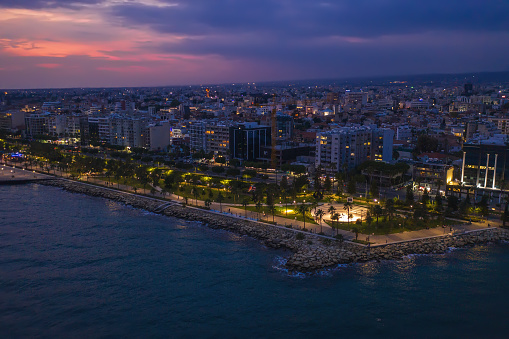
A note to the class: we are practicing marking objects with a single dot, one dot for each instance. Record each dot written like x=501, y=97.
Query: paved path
x=357, y=211
x=9, y=174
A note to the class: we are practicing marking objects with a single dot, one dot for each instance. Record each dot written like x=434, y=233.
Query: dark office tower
x=247, y=140
x=469, y=89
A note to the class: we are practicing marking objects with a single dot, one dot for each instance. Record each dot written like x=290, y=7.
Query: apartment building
x=348, y=147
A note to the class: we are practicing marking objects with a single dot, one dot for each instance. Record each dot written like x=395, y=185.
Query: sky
x=110, y=43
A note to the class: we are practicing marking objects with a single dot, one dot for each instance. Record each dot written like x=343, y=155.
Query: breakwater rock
x=311, y=252
x=317, y=258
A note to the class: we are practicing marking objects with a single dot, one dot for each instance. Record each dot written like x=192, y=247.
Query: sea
x=74, y=266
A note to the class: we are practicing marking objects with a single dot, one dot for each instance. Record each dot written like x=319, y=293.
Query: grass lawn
x=281, y=212
x=205, y=193
x=128, y=181
x=396, y=225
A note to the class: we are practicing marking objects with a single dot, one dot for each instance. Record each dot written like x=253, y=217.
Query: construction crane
x=273, y=158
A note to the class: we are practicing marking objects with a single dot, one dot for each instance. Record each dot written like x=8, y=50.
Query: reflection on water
x=86, y=266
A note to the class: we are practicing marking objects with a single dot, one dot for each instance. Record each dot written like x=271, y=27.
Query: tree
x=426, y=143
x=327, y=184
x=374, y=190
x=352, y=186
x=452, y=203
x=425, y=197
x=420, y=212
x=196, y=194
x=331, y=210
x=389, y=208
x=438, y=203
x=483, y=207
x=283, y=183
x=335, y=216
x=340, y=179
x=348, y=206
x=377, y=210
x=259, y=206
x=356, y=231
x=245, y=202
x=272, y=210
x=220, y=199
x=208, y=202
x=505, y=215
x=319, y=214
x=409, y=195
x=142, y=175
x=369, y=218
x=313, y=205
x=232, y=172
x=303, y=210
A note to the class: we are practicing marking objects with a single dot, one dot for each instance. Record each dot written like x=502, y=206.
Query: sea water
x=75, y=266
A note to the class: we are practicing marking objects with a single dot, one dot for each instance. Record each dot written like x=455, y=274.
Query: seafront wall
x=310, y=251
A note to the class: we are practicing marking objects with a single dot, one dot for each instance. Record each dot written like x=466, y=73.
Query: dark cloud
x=294, y=18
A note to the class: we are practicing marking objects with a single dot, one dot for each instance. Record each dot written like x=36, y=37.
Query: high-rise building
x=36, y=124
x=284, y=127
x=247, y=140
x=348, y=147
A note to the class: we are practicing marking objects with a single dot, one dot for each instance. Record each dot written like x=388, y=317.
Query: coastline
x=310, y=253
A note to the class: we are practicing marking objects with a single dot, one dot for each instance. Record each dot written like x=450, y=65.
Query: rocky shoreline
x=310, y=251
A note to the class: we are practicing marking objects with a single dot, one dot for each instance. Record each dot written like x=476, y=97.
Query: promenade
x=11, y=174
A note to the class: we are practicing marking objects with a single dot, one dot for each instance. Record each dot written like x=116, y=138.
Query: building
x=433, y=173
x=99, y=129
x=356, y=98
x=286, y=154
x=404, y=133
x=284, y=127
x=157, y=136
x=197, y=135
x=348, y=147
x=502, y=124
x=247, y=140
x=210, y=136
x=36, y=124
x=218, y=138
x=485, y=162
x=56, y=124
x=12, y=120
x=127, y=131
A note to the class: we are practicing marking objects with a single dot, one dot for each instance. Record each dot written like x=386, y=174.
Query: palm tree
x=319, y=214
x=220, y=199
x=340, y=178
x=245, y=202
x=196, y=194
x=259, y=206
x=356, y=231
x=377, y=211
x=335, y=216
x=272, y=210
x=331, y=210
x=313, y=205
x=208, y=202
x=347, y=207
x=303, y=209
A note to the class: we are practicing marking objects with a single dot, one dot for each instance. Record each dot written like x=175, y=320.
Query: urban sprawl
x=341, y=159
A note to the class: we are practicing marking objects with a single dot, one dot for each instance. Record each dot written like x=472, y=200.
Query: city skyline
x=110, y=43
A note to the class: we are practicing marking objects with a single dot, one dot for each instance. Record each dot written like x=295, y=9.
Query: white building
x=348, y=147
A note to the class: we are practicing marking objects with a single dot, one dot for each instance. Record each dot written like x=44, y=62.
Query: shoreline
x=311, y=252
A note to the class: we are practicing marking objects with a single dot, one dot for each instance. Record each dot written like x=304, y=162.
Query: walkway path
x=238, y=211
